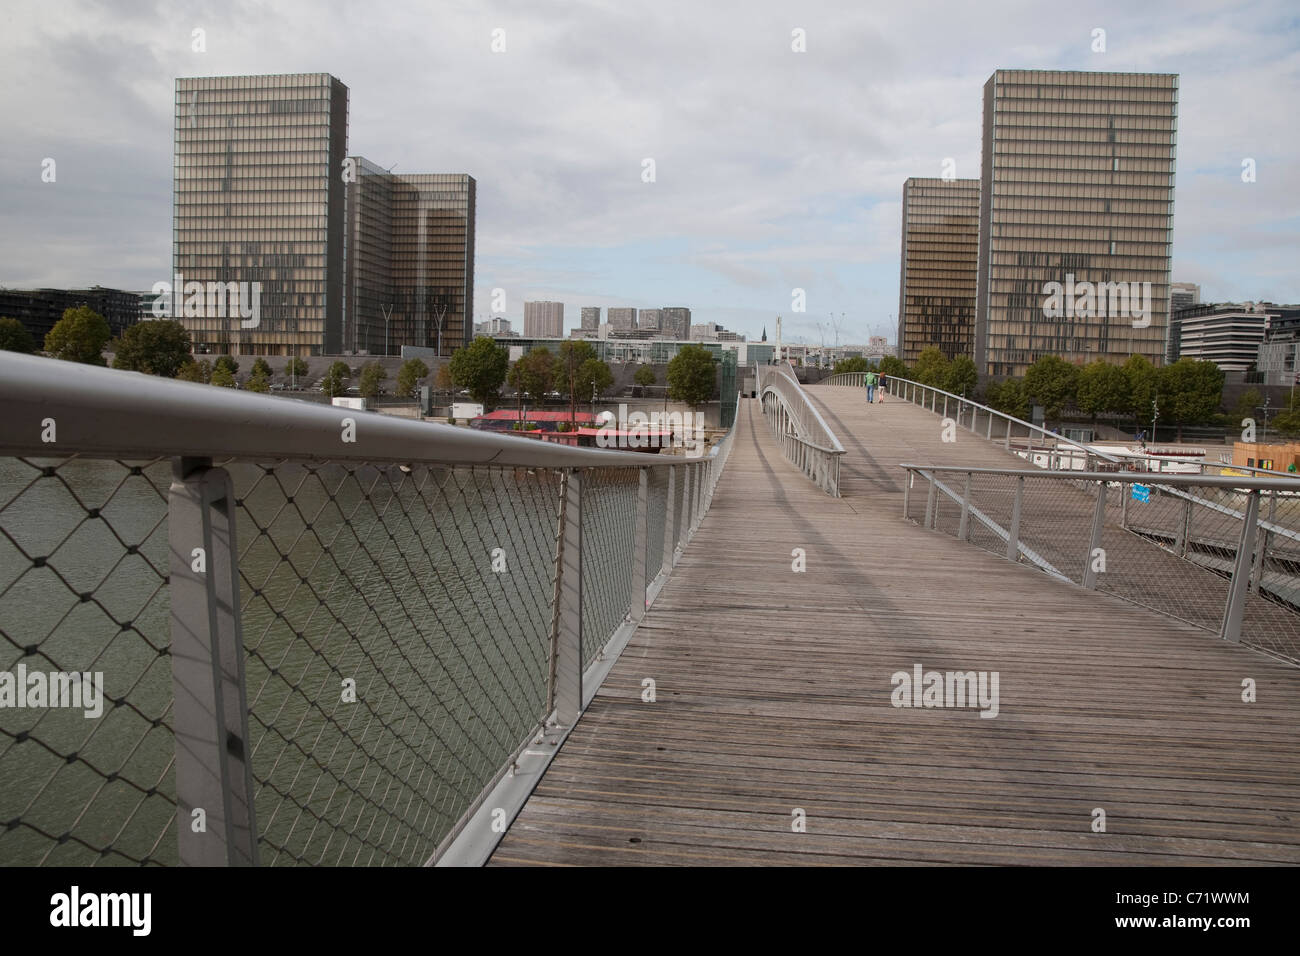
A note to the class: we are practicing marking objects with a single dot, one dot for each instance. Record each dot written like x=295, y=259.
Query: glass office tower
x=410, y=260
x=936, y=289
x=259, y=197
x=1077, y=186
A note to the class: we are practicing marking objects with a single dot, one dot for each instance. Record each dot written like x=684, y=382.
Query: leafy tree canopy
x=1051, y=382
x=80, y=336
x=481, y=368
x=155, y=347
x=691, y=375
x=14, y=337
x=409, y=375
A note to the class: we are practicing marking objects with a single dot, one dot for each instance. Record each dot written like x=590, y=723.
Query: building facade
x=543, y=320
x=259, y=198
x=936, y=286
x=677, y=320
x=621, y=319
x=1227, y=335
x=1076, y=191
x=590, y=318
x=40, y=309
x=650, y=319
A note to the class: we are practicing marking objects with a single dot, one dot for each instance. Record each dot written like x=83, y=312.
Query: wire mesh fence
x=1171, y=547
x=397, y=631
x=86, y=745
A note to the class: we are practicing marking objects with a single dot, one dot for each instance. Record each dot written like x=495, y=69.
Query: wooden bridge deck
x=773, y=695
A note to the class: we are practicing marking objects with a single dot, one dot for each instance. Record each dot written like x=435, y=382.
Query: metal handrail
x=109, y=413
x=806, y=439
x=802, y=406
x=1010, y=419
x=1240, y=502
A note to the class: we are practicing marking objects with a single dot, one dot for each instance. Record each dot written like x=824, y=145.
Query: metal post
x=1236, y=607
x=989, y=434
x=1098, y=525
x=1013, y=536
x=568, y=646
x=639, y=533
x=964, y=526
x=931, y=500
x=1185, y=528
x=1125, y=493
x=210, y=709
x=945, y=403
x=907, y=494
x=1006, y=439
x=669, y=519
x=1257, y=573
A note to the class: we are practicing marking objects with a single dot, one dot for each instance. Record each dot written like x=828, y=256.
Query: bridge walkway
x=772, y=738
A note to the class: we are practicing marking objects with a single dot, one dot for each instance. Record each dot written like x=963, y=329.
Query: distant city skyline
x=729, y=219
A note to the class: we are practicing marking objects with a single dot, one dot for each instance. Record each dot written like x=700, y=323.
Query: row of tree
x=484, y=366
x=162, y=347
x=1186, y=392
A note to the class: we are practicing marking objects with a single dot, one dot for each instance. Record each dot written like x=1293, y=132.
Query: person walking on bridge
x=870, y=378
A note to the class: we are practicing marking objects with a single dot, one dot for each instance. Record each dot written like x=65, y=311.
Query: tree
x=443, y=380
x=226, y=361
x=193, y=371
x=691, y=375
x=645, y=375
x=572, y=356
x=409, y=375
x=1102, y=387
x=261, y=365
x=594, y=377
x=1190, y=392
x=296, y=368
x=480, y=367
x=335, y=377
x=854, y=364
x=931, y=367
x=260, y=380
x=223, y=376
x=962, y=376
x=1142, y=384
x=80, y=336
x=532, y=375
x=14, y=337
x=155, y=347
x=1008, y=397
x=891, y=366
x=1051, y=382
x=371, y=375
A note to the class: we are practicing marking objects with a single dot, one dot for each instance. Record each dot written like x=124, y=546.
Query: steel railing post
x=945, y=403
x=1013, y=534
x=568, y=637
x=989, y=434
x=907, y=495
x=931, y=499
x=1094, y=542
x=1257, y=572
x=1006, y=439
x=963, y=527
x=1184, y=528
x=210, y=708
x=670, y=508
x=639, y=534
x=1236, y=606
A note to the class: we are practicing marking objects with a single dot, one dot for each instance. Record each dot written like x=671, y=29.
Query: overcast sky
x=773, y=169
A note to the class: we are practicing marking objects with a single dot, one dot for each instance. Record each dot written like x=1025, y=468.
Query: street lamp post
x=388, y=314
